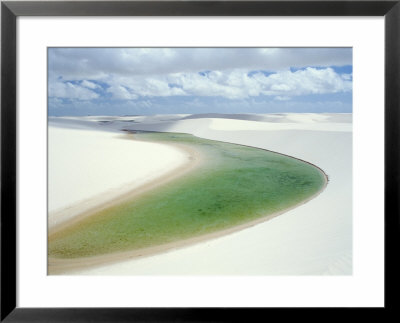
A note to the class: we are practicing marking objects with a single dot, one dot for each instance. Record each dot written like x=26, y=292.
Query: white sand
x=88, y=167
x=313, y=239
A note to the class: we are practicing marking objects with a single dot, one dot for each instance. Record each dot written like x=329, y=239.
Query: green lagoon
x=233, y=185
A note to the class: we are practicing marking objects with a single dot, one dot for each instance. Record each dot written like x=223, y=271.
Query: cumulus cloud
x=150, y=86
x=303, y=82
x=236, y=84
x=68, y=90
x=121, y=93
x=347, y=77
x=89, y=85
x=137, y=75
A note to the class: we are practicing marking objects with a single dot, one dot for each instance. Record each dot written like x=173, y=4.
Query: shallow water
x=235, y=184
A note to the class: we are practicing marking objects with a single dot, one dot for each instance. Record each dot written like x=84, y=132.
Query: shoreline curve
x=60, y=266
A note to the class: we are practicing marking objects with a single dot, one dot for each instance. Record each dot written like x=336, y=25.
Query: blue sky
x=145, y=81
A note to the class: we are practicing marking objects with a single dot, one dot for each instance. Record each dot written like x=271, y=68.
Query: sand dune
x=88, y=168
x=313, y=239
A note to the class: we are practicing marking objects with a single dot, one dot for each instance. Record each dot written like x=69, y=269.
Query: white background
x=363, y=288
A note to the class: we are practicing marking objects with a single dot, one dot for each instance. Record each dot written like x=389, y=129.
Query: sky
x=147, y=81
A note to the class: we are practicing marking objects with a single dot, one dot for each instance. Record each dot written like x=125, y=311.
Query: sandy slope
x=91, y=167
x=313, y=239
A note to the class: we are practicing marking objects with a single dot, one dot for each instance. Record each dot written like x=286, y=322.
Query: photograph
x=199, y=161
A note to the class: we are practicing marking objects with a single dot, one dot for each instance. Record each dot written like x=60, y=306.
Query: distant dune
x=252, y=117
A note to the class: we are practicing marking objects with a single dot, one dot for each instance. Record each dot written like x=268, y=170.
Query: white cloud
x=68, y=90
x=89, y=85
x=133, y=73
x=98, y=63
x=346, y=77
x=303, y=82
x=121, y=92
x=235, y=84
x=281, y=98
x=132, y=87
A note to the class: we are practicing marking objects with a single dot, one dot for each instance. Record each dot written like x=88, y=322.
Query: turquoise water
x=235, y=184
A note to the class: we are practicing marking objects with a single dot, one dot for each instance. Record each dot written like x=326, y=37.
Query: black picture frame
x=10, y=10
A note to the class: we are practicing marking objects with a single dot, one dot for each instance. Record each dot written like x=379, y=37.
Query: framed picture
x=235, y=113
